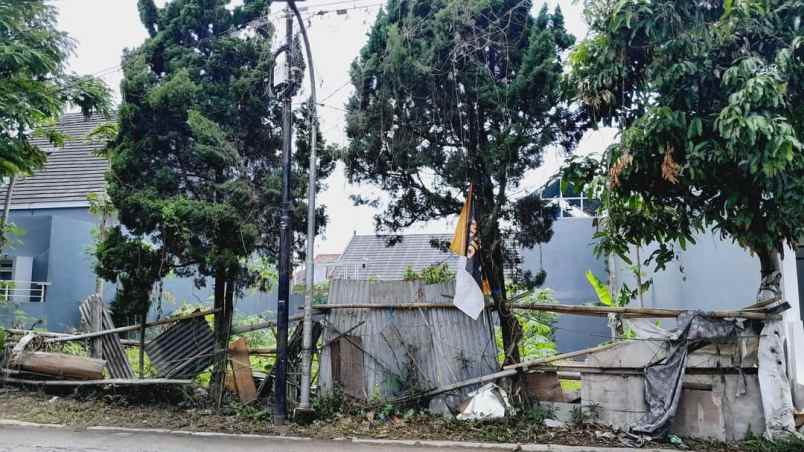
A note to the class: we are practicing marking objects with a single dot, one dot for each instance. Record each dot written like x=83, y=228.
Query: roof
x=71, y=172
x=326, y=258
x=370, y=257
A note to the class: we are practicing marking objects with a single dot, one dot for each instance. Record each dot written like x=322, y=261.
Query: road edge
x=365, y=441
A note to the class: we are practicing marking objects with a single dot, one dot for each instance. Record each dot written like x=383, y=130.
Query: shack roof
x=385, y=259
x=71, y=172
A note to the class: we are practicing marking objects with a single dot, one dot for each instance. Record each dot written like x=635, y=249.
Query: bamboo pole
x=327, y=307
x=124, y=329
x=554, y=358
x=639, y=312
x=507, y=371
x=565, y=309
x=264, y=325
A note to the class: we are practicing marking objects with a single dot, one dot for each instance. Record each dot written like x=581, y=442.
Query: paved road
x=19, y=438
x=23, y=439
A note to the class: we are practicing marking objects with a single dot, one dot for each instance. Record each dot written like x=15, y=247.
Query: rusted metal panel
x=184, y=350
x=109, y=345
x=412, y=349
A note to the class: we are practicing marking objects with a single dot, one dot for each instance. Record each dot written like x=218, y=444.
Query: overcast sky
x=103, y=28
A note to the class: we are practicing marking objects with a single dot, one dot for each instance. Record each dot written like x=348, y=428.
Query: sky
x=102, y=29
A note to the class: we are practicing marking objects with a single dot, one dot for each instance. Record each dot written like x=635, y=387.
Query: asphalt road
x=38, y=440
x=24, y=439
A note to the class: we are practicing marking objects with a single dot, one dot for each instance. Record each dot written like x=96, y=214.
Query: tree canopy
x=448, y=93
x=708, y=97
x=34, y=84
x=196, y=165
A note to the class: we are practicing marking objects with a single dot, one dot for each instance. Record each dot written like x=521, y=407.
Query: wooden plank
x=123, y=329
x=241, y=366
x=61, y=365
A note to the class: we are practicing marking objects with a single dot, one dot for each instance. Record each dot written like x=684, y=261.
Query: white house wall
x=715, y=274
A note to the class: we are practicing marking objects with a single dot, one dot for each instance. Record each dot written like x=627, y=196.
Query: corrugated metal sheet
x=184, y=350
x=370, y=257
x=406, y=350
x=111, y=348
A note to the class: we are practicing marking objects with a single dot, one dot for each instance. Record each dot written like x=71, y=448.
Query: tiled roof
x=369, y=257
x=71, y=172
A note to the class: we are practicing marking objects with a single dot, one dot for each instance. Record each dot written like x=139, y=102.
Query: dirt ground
x=163, y=411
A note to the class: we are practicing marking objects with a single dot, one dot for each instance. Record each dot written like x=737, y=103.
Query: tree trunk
x=222, y=318
x=770, y=269
x=6, y=211
x=493, y=268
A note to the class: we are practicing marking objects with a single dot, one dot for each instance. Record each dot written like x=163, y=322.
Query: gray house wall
x=711, y=274
x=60, y=240
x=566, y=257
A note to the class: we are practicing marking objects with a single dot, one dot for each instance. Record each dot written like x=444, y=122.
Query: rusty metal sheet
x=184, y=350
x=411, y=349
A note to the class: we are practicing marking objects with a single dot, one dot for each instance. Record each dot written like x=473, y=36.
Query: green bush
x=434, y=274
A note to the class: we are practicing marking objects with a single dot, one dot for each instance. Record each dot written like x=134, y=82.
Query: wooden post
x=142, y=344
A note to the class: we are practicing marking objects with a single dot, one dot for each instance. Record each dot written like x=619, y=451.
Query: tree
x=195, y=166
x=450, y=93
x=708, y=97
x=35, y=88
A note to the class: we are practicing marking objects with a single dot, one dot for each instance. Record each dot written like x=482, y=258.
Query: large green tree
x=35, y=86
x=709, y=99
x=196, y=165
x=451, y=93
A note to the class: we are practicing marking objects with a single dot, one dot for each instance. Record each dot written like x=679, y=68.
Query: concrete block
x=618, y=400
x=726, y=413
x=713, y=356
x=629, y=354
x=544, y=387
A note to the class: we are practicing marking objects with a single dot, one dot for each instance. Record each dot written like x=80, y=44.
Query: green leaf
x=696, y=128
x=601, y=290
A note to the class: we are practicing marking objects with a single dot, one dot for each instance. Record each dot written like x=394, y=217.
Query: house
x=323, y=266
x=49, y=266
x=49, y=263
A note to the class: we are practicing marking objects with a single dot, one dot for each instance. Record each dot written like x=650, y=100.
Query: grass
x=791, y=443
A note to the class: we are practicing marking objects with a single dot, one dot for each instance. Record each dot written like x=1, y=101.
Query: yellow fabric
x=458, y=245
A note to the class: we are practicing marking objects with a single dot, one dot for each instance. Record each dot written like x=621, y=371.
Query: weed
x=328, y=406
x=791, y=443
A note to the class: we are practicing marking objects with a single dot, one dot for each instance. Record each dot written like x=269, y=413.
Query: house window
x=6, y=269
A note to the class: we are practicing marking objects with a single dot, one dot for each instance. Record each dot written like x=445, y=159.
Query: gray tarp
x=664, y=378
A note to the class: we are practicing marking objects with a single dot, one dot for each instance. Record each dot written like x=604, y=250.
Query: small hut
x=387, y=352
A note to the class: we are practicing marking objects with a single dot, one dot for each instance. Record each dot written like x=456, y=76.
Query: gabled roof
x=370, y=257
x=71, y=172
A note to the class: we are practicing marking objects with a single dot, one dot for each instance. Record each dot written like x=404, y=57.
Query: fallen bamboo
x=554, y=358
x=258, y=351
x=639, y=312
x=508, y=371
x=264, y=325
x=130, y=342
x=576, y=376
x=124, y=329
x=327, y=307
x=111, y=381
